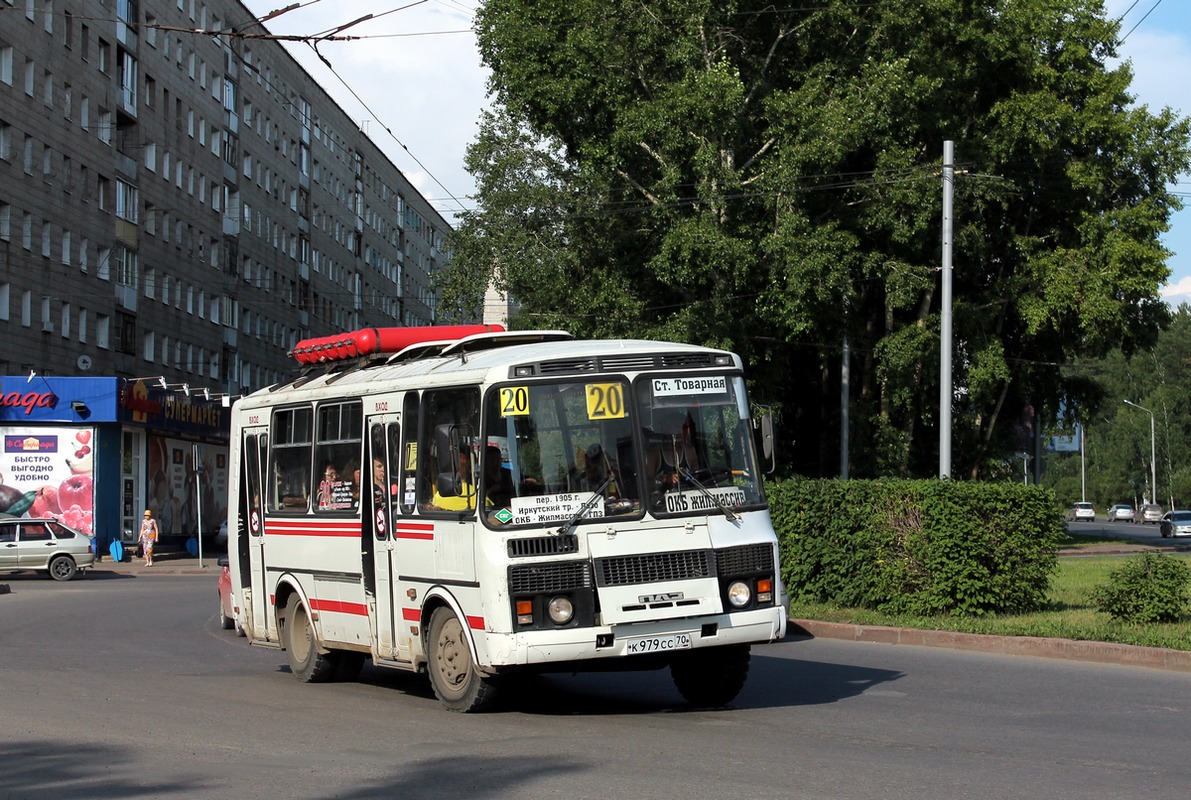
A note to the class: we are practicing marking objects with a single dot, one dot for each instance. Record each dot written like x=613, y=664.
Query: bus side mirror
x=763, y=431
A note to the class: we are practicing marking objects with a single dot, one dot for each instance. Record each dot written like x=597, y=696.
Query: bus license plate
x=657, y=644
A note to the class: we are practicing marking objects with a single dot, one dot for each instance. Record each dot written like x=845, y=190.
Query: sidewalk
x=170, y=563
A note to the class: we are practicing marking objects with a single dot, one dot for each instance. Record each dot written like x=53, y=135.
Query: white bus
x=473, y=503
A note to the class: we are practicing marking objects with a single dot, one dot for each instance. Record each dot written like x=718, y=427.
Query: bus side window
x=446, y=460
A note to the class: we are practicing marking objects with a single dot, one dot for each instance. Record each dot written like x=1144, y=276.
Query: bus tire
x=301, y=645
x=456, y=680
x=712, y=677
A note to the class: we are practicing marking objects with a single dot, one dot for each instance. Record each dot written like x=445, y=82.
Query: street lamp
x=1153, y=453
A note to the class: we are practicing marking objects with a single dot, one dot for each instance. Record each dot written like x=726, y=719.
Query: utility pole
x=1153, y=453
x=945, y=388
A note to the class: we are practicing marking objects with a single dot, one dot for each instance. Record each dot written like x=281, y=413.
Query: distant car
x=1082, y=511
x=1149, y=512
x=1175, y=523
x=1120, y=513
x=46, y=545
x=227, y=599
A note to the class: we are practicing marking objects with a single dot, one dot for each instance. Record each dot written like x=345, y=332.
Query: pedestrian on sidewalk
x=148, y=537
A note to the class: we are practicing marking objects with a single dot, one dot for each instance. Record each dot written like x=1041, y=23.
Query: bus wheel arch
x=309, y=660
x=456, y=678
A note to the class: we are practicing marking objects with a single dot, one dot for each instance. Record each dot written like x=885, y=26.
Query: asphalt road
x=120, y=686
x=1147, y=533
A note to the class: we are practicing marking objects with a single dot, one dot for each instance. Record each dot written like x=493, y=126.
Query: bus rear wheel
x=301, y=644
x=712, y=677
x=456, y=680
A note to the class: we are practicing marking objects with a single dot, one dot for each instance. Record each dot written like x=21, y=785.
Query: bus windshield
x=672, y=446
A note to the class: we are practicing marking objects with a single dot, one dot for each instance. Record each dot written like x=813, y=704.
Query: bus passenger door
x=250, y=533
x=384, y=434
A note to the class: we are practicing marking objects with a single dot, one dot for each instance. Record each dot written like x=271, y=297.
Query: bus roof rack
x=475, y=343
x=489, y=341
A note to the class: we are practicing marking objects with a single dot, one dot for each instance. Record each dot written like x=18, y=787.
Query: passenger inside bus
x=379, y=486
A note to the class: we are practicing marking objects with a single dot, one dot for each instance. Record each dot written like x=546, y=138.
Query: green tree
x=767, y=179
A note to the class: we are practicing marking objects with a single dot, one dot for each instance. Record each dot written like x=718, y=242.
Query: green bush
x=917, y=547
x=1147, y=588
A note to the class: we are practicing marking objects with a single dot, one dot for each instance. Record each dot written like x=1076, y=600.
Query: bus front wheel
x=456, y=680
x=301, y=644
x=711, y=677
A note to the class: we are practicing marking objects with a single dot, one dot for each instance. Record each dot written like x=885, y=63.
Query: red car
x=227, y=599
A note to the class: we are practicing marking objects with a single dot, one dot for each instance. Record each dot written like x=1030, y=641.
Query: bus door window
x=407, y=477
x=379, y=511
x=250, y=489
x=289, y=488
x=390, y=469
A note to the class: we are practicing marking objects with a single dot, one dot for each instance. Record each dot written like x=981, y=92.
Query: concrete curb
x=1039, y=647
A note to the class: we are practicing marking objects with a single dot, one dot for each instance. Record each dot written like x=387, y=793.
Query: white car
x=1082, y=511
x=1121, y=512
x=46, y=545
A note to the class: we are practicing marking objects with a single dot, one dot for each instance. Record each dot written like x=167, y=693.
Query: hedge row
x=917, y=547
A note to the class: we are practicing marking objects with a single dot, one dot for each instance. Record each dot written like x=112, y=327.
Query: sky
x=413, y=80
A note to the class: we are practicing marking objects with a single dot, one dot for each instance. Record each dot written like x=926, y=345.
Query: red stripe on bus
x=338, y=606
x=475, y=623
x=410, y=614
x=413, y=530
x=300, y=528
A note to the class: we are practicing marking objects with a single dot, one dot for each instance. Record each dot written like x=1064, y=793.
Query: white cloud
x=1178, y=292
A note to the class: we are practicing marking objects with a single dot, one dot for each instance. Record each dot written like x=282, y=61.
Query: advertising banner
x=46, y=472
x=174, y=475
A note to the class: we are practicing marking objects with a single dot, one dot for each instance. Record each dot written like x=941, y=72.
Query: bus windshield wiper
x=598, y=495
x=686, y=473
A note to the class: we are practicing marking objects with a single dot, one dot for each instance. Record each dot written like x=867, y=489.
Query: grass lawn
x=1069, y=613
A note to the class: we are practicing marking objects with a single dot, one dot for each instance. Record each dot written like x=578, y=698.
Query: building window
x=103, y=331
x=127, y=267
x=127, y=201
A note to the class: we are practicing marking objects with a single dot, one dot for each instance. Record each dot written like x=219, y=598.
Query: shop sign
x=28, y=400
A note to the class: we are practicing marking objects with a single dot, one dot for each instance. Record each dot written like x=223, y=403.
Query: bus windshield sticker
x=552, y=508
x=703, y=384
x=514, y=401
x=605, y=401
x=411, y=456
x=678, y=502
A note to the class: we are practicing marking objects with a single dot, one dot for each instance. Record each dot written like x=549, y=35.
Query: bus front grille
x=556, y=576
x=654, y=567
x=744, y=560
x=544, y=546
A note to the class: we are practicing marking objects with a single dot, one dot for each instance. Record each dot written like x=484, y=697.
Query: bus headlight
x=560, y=609
x=739, y=594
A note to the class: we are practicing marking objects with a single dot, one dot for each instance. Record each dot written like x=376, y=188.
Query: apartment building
x=179, y=205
